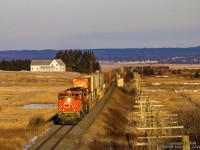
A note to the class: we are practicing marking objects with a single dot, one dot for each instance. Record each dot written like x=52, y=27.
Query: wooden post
x=156, y=124
x=186, y=142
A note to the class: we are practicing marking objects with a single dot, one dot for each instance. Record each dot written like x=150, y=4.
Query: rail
x=54, y=138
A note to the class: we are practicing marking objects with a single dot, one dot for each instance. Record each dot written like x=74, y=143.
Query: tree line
x=75, y=60
x=79, y=61
x=15, y=65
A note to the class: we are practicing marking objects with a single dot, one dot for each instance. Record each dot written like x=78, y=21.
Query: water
x=38, y=106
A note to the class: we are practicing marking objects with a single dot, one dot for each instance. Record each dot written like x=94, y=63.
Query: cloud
x=150, y=35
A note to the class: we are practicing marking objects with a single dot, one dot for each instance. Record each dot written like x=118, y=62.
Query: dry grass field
x=18, y=125
x=169, y=90
x=179, y=94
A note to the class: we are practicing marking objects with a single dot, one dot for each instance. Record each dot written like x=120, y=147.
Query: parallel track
x=188, y=98
x=55, y=138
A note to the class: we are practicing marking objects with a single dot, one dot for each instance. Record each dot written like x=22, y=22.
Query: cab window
x=85, y=94
x=74, y=95
x=61, y=96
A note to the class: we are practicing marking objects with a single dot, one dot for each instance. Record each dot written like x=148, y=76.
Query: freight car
x=74, y=103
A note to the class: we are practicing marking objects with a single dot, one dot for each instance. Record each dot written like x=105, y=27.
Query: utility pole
x=157, y=125
x=91, y=66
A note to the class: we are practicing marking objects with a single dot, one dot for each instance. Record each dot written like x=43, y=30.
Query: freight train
x=75, y=102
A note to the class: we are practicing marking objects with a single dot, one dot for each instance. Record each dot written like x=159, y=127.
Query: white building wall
x=46, y=68
x=54, y=63
x=57, y=66
x=62, y=68
x=35, y=68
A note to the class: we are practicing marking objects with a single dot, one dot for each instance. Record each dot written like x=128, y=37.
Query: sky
x=88, y=24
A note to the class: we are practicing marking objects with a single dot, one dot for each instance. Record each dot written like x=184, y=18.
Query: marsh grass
x=36, y=121
x=17, y=125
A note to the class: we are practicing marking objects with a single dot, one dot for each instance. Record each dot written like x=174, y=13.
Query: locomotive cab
x=72, y=105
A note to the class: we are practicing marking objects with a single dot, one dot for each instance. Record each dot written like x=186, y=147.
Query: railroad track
x=188, y=98
x=54, y=138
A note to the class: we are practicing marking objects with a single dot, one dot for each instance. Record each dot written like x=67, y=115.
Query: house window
x=56, y=64
x=52, y=64
x=32, y=68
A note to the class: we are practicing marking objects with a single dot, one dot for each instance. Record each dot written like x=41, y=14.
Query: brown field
x=17, y=125
x=169, y=91
x=111, y=65
x=179, y=94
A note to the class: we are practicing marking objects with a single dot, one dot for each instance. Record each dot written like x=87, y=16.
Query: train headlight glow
x=68, y=100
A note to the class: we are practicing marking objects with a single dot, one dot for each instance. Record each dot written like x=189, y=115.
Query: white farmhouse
x=47, y=65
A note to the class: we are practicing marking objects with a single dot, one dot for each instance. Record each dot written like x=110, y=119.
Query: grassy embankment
x=115, y=126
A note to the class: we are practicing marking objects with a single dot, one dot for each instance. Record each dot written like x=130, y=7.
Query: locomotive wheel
x=87, y=110
x=81, y=115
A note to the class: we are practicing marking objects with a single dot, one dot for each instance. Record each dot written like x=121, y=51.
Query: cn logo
x=68, y=105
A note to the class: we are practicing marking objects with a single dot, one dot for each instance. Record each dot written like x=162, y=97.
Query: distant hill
x=27, y=54
x=127, y=54
x=145, y=53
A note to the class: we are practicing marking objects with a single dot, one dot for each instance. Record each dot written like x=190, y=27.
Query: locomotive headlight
x=68, y=100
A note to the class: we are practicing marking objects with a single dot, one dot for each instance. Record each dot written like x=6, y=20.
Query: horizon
x=101, y=48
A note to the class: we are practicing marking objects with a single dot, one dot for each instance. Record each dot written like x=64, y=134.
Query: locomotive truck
x=75, y=102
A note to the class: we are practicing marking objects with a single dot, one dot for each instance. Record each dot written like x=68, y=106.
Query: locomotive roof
x=76, y=89
x=46, y=62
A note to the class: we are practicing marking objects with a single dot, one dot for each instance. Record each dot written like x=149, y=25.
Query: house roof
x=60, y=62
x=46, y=62
x=41, y=62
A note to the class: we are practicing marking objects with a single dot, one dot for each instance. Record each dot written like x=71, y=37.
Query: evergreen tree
x=159, y=72
x=151, y=71
x=59, y=55
x=79, y=61
x=129, y=74
x=148, y=71
x=96, y=66
x=196, y=75
x=174, y=72
x=179, y=71
x=15, y=65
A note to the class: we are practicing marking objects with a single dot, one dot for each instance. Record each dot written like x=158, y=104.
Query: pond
x=36, y=106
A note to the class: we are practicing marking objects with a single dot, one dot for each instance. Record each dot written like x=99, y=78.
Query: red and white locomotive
x=77, y=101
x=72, y=105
